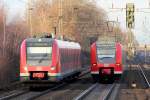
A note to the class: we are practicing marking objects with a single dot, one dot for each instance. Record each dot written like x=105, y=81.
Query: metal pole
x=130, y=57
x=4, y=28
x=116, y=37
x=60, y=14
x=30, y=16
x=55, y=31
x=27, y=12
x=145, y=52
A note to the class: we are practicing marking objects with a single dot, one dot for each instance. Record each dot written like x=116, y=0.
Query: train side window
x=61, y=51
x=69, y=57
x=63, y=60
x=75, y=56
x=64, y=55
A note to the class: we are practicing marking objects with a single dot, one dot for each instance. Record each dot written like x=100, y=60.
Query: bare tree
x=16, y=31
x=76, y=21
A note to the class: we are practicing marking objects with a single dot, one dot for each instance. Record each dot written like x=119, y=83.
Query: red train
x=106, y=60
x=46, y=59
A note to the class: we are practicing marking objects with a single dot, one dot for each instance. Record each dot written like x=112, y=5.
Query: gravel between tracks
x=69, y=91
x=134, y=94
x=99, y=93
x=140, y=92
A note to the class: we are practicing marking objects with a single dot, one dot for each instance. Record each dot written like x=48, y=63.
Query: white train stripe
x=24, y=74
x=117, y=72
x=49, y=74
x=54, y=74
x=94, y=72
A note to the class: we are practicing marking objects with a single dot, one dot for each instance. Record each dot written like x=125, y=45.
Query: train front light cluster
x=94, y=64
x=118, y=64
x=53, y=67
x=25, y=68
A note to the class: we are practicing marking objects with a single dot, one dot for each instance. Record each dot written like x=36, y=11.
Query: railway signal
x=130, y=15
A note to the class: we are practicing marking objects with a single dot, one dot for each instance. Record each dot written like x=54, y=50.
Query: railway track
x=69, y=91
x=141, y=77
x=30, y=95
x=11, y=87
x=13, y=90
x=138, y=76
x=144, y=75
x=13, y=94
x=97, y=92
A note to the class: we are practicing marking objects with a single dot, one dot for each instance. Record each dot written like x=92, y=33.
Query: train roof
x=105, y=42
x=39, y=40
x=61, y=43
x=67, y=44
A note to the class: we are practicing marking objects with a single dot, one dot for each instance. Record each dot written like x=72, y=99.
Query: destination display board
x=38, y=44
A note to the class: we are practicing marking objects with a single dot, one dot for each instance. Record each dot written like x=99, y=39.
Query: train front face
x=107, y=60
x=35, y=59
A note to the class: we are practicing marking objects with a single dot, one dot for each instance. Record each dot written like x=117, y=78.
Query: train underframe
x=106, y=75
x=43, y=79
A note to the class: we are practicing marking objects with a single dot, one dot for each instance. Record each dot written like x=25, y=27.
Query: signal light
x=130, y=15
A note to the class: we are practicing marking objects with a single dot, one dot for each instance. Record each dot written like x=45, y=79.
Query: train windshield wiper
x=105, y=58
x=42, y=58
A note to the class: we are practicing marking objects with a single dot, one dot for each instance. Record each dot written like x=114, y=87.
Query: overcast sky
x=15, y=8
x=142, y=20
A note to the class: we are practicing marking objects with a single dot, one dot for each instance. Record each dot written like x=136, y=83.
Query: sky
x=15, y=8
x=142, y=20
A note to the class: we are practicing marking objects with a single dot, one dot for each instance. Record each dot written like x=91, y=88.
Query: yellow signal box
x=130, y=15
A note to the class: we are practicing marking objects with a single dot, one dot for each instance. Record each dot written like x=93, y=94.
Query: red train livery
x=46, y=59
x=106, y=60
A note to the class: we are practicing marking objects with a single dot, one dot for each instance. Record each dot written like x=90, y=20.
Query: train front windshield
x=106, y=53
x=39, y=54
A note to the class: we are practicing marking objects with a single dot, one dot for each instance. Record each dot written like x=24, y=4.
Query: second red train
x=106, y=60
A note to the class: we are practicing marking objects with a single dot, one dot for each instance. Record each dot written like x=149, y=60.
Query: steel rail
x=86, y=92
x=42, y=93
x=109, y=92
x=144, y=75
x=54, y=88
x=45, y=92
x=13, y=95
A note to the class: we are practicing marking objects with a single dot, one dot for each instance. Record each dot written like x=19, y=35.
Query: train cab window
x=106, y=53
x=39, y=55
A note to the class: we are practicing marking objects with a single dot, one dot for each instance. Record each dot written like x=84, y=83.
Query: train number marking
x=38, y=75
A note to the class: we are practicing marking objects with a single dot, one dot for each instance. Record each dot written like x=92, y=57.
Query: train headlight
x=94, y=64
x=25, y=68
x=117, y=64
x=39, y=40
x=53, y=68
